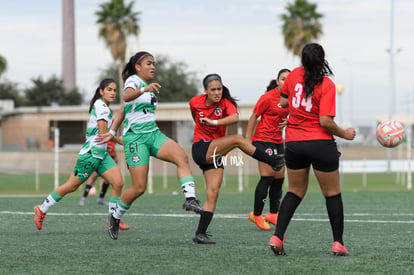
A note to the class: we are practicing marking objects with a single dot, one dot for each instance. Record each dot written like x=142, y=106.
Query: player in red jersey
x=267, y=136
x=212, y=112
x=310, y=131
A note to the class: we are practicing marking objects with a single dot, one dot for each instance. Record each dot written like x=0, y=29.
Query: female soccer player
x=212, y=112
x=268, y=138
x=142, y=138
x=91, y=181
x=92, y=156
x=310, y=131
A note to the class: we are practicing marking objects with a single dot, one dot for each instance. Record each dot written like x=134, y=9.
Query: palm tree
x=3, y=65
x=116, y=22
x=300, y=25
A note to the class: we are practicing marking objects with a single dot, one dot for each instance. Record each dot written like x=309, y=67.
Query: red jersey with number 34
x=219, y=110
x=303, y=122
x=271, y=113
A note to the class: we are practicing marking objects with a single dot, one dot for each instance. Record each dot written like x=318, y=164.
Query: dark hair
x=129, y=68
x=315, y=65
x=226, y=92
x=97, y=94
x=273, y=83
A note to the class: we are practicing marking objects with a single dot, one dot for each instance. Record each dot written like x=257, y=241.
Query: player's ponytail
x=315, y=65
x=129, y=68
x=97, y=94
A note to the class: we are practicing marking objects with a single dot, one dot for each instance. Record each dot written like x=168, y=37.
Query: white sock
x=49, y=202
x=119, y=212
x=112, y=207
x=189, y=189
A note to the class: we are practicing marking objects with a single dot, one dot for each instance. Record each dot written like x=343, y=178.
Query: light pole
x=392, y=79
x=339, y=91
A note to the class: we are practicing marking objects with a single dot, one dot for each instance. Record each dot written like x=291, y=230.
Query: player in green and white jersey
x=142, y=138
x=93, y=156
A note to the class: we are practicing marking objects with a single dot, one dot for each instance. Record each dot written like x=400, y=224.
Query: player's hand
x=282, y=124
x=207, y=121
x=350, y=133
x=153, y=87
x=103, y=138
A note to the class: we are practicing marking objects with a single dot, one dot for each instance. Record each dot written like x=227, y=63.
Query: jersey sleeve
x=261, y=106
x=230, y=108
x=327, y=103
x=132, y=82
x=102, y=111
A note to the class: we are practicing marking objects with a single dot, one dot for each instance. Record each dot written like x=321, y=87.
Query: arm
x=106, y=136
x=331, y=127
x=231, y=119
x=131, y=94
x=284, y=102
x=250, y=126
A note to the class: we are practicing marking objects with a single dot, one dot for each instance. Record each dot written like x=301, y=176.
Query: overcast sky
x=239, y=39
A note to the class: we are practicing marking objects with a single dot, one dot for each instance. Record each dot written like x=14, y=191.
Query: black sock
x=275, y=194
x=336, y=216
x=205, y=219
x=260, y=194
x=288, y=207
x=103, y=190
x=263, y=157
x=87, y=189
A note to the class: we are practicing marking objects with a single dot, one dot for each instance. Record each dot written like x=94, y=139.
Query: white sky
x=239, y=39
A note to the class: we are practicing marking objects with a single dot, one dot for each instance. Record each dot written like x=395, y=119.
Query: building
x=27, y=128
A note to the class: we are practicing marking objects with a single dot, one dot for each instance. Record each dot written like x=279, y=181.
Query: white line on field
x=229, y=216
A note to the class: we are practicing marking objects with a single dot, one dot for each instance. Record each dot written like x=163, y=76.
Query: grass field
x=379, y=234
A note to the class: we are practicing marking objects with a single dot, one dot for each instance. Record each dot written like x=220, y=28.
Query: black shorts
x=270, y=148
x=199, y=152
x=323, y=155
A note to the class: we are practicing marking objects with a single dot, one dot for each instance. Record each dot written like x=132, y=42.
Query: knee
x=119, y=184
x=213, y=194
x=239, y=139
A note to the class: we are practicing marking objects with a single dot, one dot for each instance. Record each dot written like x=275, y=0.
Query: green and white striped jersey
x=140, y=112
x=100, y=111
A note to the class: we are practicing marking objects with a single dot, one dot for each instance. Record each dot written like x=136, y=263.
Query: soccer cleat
x=39, y=217
x=192, y=204
x=280, y=162
x=276, y=245
x=101, y=201
x=339, y=250
x=258, y=220
x=271, y=218
x=82, y=201
x=113, y=227
x=202, y=238
x=122, y=226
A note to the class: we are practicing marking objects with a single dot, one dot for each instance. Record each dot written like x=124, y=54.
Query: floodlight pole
x=392, y=79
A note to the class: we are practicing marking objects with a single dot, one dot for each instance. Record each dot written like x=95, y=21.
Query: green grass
x=379, y=230
x=26, y=183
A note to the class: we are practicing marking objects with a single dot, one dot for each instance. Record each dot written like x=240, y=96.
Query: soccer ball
x=390, y=133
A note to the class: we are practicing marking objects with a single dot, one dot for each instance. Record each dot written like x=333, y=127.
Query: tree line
x=116, y=22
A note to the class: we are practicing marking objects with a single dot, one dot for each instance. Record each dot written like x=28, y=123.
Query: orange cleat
x=39, y=217
x=271, y=218
x=258, y=220
x=339, y=250
x=276, y=245
x=122, y=226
